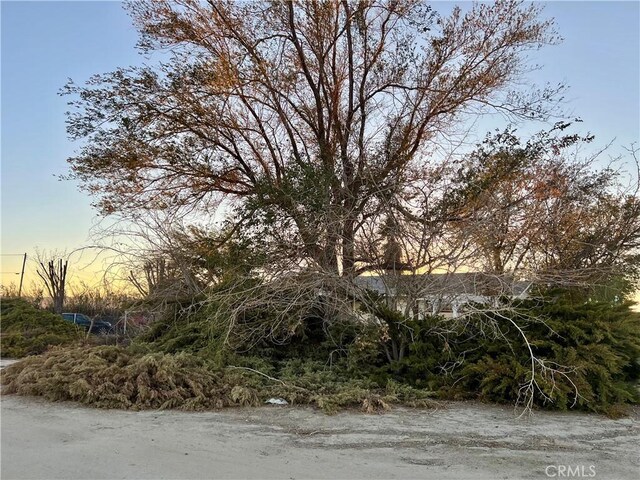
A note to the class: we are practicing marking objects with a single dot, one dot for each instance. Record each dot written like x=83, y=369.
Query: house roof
x=446, y=284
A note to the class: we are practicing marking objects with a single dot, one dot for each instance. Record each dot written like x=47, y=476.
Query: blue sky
x=44, y=43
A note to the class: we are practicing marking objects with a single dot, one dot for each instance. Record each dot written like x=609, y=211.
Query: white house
x=445, y=294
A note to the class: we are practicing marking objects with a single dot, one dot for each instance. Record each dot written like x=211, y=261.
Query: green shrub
x=27, y=330
x=201, y=332
x=594, y=347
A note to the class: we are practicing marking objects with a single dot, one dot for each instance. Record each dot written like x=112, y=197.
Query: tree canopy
x=318, y=122
x=531, y=206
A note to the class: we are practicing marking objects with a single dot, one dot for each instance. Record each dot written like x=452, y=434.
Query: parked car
x=80, y=319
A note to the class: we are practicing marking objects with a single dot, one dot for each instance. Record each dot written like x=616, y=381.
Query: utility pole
x=24, y=262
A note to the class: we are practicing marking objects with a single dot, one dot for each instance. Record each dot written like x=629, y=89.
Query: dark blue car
x=99, y=326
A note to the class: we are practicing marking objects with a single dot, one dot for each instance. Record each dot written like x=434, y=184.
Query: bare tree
x=53, y=273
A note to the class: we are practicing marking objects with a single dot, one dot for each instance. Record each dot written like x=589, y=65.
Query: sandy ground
x=459, y=441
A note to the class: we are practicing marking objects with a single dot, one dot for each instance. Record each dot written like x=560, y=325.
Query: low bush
x=27, y=330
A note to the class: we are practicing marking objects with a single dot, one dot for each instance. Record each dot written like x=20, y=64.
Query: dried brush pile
x=114, y=377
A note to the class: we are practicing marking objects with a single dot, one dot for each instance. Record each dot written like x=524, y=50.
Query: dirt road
x=462, y=441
